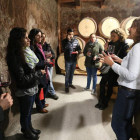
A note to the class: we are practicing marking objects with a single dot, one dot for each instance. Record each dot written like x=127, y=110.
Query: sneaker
x=93, y=91
x=86, y=88
x=67, y=90
x=72, y=86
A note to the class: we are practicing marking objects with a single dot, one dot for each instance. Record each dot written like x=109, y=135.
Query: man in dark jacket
x=5, y=102
x=71, y=49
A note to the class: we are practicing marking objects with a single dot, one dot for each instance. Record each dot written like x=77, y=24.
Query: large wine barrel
x=61, y=61
x=81, y=62
x=101, y=40
x=126, y=23
x=81, y=42
x=107, y=25
x=87, y=26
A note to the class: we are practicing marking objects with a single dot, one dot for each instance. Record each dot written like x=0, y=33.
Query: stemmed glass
x=5, y=79
x=111, y=49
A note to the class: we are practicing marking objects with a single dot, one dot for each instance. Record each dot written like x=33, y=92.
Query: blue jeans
x=69, y=67
x=91, y=72
x=121, y=126
x=25, y=104
x=41, y=103
x=50, y=86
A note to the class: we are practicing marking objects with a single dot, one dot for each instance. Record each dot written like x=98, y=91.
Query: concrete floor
x=72, y=117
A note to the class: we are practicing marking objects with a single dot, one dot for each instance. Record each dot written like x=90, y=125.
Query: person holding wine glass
x=118, y=47
x=128, y=97
x=92, y=49
x=21, y=62
x=6, y=101
x=50, y=58
x=35, y=37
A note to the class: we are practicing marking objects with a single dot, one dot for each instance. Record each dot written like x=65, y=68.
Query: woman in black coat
x=118, y=40
x=21, y=62
x=35, y=37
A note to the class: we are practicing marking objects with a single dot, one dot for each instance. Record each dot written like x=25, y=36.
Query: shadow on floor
x=15, y=137
x=75, y=114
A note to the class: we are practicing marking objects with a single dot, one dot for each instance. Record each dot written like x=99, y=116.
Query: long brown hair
x=136, y=23
x=120, y=32
x=16, y=44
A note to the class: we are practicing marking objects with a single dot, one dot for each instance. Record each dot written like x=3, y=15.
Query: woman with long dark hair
x=128, y=98
x=118, y=40
x=35, y=37
x=21, y=62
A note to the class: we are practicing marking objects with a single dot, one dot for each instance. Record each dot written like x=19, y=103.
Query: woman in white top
x=129, y=84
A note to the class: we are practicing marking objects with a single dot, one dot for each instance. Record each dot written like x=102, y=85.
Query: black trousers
x=111, y=79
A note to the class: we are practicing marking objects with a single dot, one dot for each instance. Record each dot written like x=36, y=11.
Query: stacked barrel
x=88, y=26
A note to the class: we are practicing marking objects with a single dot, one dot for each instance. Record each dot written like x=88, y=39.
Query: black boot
x=28, y=134
x=35, y=131
x=98, y=105
x=104, y=103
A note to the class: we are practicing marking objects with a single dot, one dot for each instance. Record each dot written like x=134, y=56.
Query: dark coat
x=46, y=47
x=24, y=76
x=40, y=65
x=68, y=47
x=96, y=49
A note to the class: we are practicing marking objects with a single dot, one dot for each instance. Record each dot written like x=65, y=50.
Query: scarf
x=30, y=57
x=47, y=72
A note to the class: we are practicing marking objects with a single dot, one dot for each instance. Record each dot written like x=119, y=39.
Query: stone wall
x=70, y=16
x=29, y=14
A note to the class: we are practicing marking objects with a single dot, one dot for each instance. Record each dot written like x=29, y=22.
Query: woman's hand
x=43, y=72
x=106, y=59
x=116, y=58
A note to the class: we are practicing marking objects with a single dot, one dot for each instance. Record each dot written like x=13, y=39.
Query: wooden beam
x=66, y=1
x=78, y=4
x=59, y=28
x=91, y=0
x=102, y=2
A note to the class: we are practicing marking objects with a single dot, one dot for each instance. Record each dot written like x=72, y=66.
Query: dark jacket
x=120, y=52
x=95, y=49
x=40, y=65
x=1, y=114
x=47, y=47
x=69, y=47
x=24, y=76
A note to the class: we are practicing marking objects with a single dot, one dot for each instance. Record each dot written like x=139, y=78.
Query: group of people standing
x=124, y=72
x=30, y=60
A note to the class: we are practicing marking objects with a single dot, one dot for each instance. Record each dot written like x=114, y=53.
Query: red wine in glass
x=5, y=79
x=111, y=49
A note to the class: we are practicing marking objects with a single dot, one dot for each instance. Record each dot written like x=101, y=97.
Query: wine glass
x=5, y=79
x=89, y=51
x=111, y=49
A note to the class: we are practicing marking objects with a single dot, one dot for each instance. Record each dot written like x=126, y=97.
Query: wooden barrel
x=61, y=61
x=101, y=40
x=126, y=23
x=87, y=26
x=107, y=25
x=81, y=42
x=81, y=62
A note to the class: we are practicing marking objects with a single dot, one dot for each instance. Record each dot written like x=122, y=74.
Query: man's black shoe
x=55, y=97
x=67, y=90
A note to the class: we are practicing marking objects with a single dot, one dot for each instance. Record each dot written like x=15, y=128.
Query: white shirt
x=129, y=70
